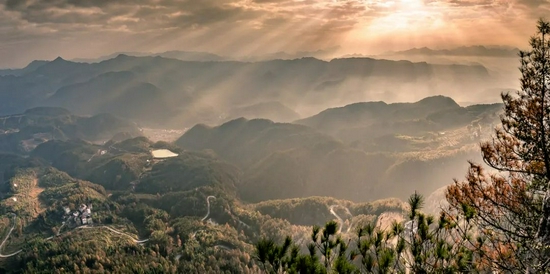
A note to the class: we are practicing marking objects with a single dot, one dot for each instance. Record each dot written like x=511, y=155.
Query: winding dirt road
x=208, y=205
x=116, y=232
x=331, y=209
x=5, y=239
x=58, y=234
x=340, y=220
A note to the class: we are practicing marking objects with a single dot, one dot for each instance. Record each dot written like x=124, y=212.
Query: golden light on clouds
x=403, y=24
x=33, y=29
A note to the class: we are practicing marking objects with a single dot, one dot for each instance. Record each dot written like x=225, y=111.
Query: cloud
x=195, y=21
x=151, y=15
x=244, y=27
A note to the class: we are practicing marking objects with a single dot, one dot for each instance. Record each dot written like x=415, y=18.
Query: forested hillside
x=182, y=214
x=21, y=133
x=370, y=150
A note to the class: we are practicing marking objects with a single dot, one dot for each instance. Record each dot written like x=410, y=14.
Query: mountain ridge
x=477, y=50
x=169, y=92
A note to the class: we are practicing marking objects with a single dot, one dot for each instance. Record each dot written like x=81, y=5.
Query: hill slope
x=23, y=132
x=371, y=120
x=286, y=161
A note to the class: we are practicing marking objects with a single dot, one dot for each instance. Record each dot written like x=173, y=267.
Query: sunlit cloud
x=71, y=28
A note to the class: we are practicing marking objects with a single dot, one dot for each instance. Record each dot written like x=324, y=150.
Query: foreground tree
x=421, y=245
x=510, y=208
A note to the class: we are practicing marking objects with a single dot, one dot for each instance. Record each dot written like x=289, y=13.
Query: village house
x=82, y=216
x=82, y=208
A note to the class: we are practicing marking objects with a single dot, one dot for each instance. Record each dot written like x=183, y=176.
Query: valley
x=219, y=189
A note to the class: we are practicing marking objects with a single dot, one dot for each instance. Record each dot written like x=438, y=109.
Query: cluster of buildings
x=82, y=216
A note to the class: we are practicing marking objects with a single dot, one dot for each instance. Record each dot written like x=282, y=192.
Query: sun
x=407, y=15
x=405, y=18
x=401, y=24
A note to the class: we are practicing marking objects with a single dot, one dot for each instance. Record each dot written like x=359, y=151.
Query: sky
x=45, y=29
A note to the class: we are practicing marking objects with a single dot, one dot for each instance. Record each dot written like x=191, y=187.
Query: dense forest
x=186, y=209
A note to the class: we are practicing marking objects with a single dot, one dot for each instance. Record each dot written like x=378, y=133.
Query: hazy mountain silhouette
x=371, y=112
x=461, y=51
x=29, y=68
x=360, y=121
x=274, y=111
x=121, y=93
x=325, y=54
x=167, y=92
x=174, y=54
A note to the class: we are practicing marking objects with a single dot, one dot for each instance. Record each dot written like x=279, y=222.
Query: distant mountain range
x=499, y=51
x=176, y=54
x=29, y=68
x=324, y=54
x=168, y=92
x=211, y=57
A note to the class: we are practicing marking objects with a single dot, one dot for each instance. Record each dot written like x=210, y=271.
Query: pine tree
x=426, y=246
x=510, y=208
